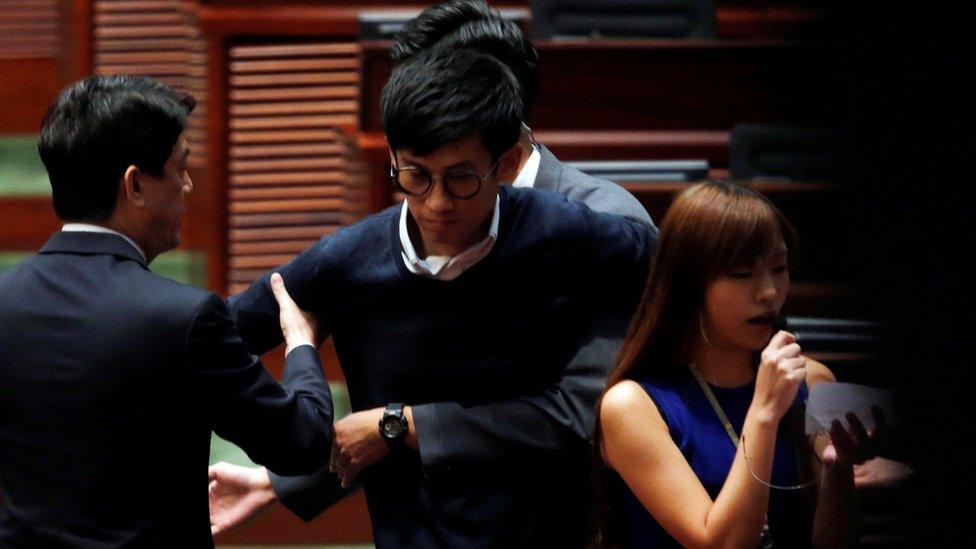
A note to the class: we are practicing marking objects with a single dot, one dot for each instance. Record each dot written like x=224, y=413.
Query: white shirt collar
x=88, y=228
x=526, y=176
x=441, y=267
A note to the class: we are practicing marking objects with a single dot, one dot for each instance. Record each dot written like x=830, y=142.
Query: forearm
x=551, y=420
x=308, y=495
x=737, y=516
x=298, y=429
x=835, y=521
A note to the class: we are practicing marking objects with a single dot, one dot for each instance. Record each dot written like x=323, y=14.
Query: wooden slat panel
x=139, y=18
x=173, y=56
x=296, y=50
x=160, y=39
x=278, y=94
x=304, y=78
x=277, y=122
x=176, y=31
x=285, y=219
x=288, y=178
x=138, y=44
x=294, y=107
x=289, y=164
x=285, y=164
x=294, y=246
x=30, y=30
x=299, y=149
x=302, y=136
x=277, y=233
x=302, y=205
x=136, y=5
x=242, y=67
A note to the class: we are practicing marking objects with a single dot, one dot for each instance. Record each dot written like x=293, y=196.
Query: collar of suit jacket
x=86, y=243
x=550, y=170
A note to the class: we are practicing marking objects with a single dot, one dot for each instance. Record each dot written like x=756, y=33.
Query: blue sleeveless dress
x=699, y=434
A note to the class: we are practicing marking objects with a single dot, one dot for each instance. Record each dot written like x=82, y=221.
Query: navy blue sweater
x=502, y=365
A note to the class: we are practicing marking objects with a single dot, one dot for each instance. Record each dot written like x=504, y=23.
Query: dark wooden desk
x=642, y=85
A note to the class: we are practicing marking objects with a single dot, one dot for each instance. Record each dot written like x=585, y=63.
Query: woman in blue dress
x=700, y=429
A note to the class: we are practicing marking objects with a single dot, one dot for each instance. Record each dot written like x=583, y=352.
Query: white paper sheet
x=830, y=401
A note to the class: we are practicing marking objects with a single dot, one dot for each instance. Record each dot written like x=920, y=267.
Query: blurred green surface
x=9, y=259
x=21, y=170
x=182, y=266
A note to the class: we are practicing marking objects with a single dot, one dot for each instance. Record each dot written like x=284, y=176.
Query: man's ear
x=509, y=163
x=131, y=189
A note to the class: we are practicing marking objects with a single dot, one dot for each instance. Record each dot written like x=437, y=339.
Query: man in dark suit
x=108, y=370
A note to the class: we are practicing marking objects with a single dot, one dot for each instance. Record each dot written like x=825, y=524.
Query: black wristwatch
x=393, y=425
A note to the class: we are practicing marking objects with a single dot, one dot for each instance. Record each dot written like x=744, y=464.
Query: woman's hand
x=852, y=446
x=298, y=326
x=781, y=370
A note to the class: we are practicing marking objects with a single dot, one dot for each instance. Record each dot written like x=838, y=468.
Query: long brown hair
x=710, y=229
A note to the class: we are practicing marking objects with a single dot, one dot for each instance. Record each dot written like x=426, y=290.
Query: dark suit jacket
x=599, y=194
x=111, y=381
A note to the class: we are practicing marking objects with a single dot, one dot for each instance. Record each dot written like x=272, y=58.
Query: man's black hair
x=433, y=24
x=472, y=24
x=96, y=129
x=445, y=95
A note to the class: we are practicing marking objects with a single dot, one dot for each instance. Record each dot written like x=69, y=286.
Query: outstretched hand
x=237, y=495
x=297, y=326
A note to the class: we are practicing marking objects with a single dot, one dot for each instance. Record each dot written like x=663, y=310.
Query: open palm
x=237, y=495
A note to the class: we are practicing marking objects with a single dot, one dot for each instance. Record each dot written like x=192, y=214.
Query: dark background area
x=907, y=101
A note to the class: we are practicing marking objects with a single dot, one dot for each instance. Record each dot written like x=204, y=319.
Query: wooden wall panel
x=290, y=166
x=27, y=86
x=30, y=29
x=27, y=222
x=30, y=49
x=160, y=39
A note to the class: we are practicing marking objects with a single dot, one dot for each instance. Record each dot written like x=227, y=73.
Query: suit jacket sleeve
x=563, y=415
x=255, y=312
x=286, y=427
x=309, y=495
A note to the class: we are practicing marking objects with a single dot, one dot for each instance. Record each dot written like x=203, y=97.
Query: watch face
x=392, y=427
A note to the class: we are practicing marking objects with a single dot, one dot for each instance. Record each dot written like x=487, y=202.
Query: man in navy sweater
x=474, y=324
